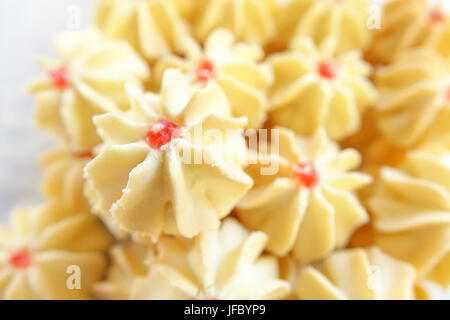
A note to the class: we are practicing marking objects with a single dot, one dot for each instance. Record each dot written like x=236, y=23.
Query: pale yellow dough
x=410, y=24
x=218, y=265
x=127, y=264
x=63, y=177
x=303, y=100
x=411, y=212
x=339, y=25
x=249, y=20
x=413, y=109
x=152, y=27
x=429, y=290
x=96, y=71
x=357, y=274
x=236, y=68
x=56, y=238
x=149, y=191
x=163, y=185
x=309, y=221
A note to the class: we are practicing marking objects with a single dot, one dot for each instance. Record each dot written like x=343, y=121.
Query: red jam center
x=436, y=15
x=448, y=94
x=306, y=173
x=326, y=70
x=83, y=154
x=205, y=70
x=161, y=133
x=59, y=78
x=20, y=259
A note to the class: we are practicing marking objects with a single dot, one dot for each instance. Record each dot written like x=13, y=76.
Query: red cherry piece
x=20, y=259
x=326, y=70
x=83, y=154
x=205, y=70
x=436, y=15
x=306, y=173
x=161, y=133
x=59, y=78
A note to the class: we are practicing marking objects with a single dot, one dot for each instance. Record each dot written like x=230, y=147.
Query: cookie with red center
x=306, y=203
x=39, y=246
x=313, y=89
x=175, y=161
x=235, y=66
x=88, y=79
x=424, y=25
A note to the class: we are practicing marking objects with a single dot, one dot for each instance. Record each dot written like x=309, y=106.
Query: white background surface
x=27, y=28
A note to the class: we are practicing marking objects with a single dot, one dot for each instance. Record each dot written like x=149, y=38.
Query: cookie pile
x=252, y=149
